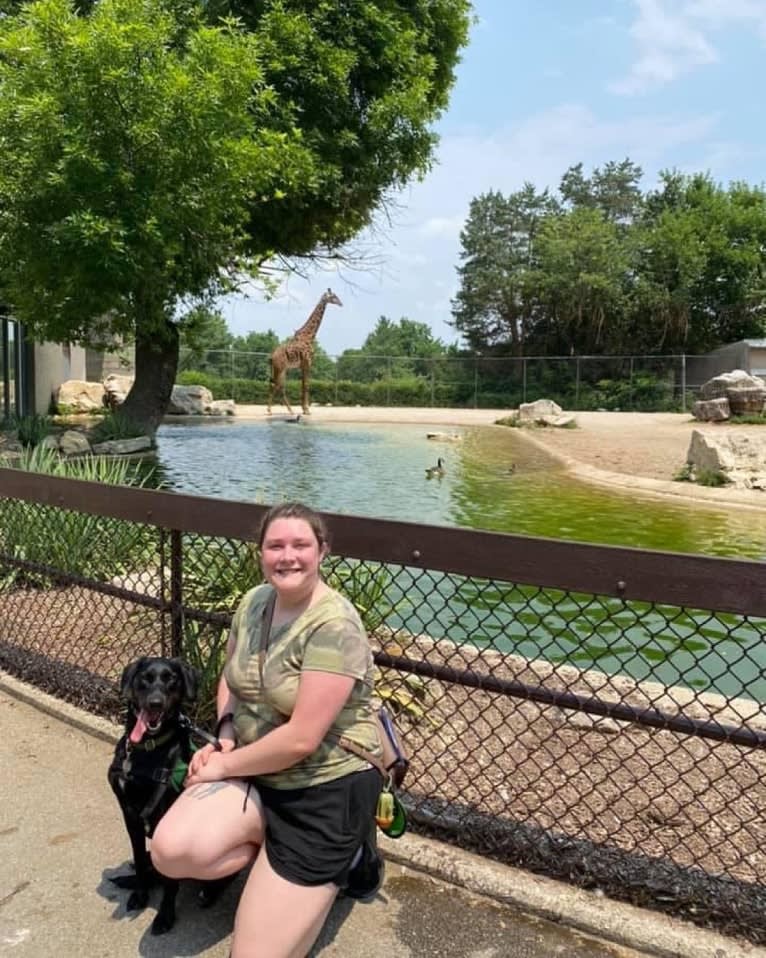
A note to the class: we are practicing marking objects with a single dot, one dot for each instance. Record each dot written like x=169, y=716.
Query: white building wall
x=54, y=364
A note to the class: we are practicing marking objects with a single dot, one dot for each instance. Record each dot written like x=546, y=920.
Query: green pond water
x=494, y=480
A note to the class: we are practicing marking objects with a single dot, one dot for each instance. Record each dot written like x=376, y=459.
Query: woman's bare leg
x=209, y=832
x=277, y=919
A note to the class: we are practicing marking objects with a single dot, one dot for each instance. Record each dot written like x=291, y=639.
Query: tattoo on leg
x=205, y=789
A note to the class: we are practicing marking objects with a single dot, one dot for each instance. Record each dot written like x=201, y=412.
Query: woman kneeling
x=283, y=794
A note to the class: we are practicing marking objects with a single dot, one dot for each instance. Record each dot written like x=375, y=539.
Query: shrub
x=116, y=425
x=93, y=547
x=31, y=430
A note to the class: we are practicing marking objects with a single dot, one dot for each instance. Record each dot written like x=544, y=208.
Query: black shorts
x=312, y=834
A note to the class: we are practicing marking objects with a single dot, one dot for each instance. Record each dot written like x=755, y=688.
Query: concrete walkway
x=61, y=836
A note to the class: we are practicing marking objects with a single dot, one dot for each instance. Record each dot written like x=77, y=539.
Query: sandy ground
x=630, y=450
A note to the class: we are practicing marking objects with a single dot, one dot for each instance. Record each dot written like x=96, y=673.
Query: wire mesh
x=613, y=742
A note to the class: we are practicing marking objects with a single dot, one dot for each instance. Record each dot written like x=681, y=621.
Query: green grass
x=749, y=419
x=711, y=477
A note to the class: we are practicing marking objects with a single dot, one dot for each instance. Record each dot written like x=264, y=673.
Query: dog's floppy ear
x=129, y=673
x=190, y=679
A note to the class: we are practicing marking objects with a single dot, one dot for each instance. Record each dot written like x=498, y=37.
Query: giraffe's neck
x=308, y=330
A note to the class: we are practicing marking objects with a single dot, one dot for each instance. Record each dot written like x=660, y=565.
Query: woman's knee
x=171, y=847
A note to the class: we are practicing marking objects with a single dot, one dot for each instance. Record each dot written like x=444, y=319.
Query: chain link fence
x=586, y=712
x=645, y=383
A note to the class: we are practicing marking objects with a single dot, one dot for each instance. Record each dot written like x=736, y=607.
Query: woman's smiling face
x=290, y=556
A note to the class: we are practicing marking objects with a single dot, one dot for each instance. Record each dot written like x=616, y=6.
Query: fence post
x=631, y=382
x=231, y=370
x=388, y=384
x=577, y=383
x=475, y=382
x=176, y=593
x=433, y=384
x=683, y=382
x=524, y=379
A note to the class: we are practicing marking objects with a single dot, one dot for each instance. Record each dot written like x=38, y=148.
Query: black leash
x=185, y=722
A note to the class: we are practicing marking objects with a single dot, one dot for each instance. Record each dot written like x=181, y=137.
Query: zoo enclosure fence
x=647, y=382
x=588, y=712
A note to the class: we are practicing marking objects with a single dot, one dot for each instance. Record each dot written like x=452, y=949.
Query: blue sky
x=543, y=85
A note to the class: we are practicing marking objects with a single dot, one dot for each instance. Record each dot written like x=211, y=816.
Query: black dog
x=146, y=772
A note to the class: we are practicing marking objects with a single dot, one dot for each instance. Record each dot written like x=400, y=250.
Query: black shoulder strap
x=266, y=620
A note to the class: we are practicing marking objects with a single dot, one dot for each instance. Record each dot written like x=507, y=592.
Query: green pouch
x=391, y=815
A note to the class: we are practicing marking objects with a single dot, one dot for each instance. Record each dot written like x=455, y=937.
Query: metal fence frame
x=690, y=582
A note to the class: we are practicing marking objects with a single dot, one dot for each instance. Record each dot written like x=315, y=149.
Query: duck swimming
x=437, y=470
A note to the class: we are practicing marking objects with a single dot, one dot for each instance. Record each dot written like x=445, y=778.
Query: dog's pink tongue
x=139, y=729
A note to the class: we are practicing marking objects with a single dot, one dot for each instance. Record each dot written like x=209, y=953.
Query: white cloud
x=442, y=226
x=669, y=44
x=673, y=38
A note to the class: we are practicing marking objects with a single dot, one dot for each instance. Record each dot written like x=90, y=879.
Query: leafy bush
x=116, y=425
x=73, y=542
x=710, y=477
x=30, y=430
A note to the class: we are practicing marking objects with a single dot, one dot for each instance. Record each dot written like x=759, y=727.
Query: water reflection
x=493, y=480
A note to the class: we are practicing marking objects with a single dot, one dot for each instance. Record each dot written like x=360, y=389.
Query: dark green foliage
x=607, y=270
x=116, y=425
x=152, y=151
x=31, y=430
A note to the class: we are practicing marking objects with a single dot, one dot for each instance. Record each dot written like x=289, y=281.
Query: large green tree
x=497, y=303
x=603, y=268
x=152, y=151
x=402, y=348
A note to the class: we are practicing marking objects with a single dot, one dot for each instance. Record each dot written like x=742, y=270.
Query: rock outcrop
x=77, y=395
x=544, y=412
x=740, y=460
x=731, y=394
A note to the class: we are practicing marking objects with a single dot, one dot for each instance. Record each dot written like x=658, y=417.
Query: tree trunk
x=157, y=346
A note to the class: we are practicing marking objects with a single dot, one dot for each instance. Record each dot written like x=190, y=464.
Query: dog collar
x=151, y=743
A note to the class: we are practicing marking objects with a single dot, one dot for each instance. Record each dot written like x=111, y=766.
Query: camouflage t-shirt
x=328, y=637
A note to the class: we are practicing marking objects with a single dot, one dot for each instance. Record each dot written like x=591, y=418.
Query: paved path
x=61, y=835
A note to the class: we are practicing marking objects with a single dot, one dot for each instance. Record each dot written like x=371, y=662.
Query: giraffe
x=297, y=353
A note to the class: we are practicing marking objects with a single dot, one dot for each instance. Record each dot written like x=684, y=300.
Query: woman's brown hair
x=295, y=510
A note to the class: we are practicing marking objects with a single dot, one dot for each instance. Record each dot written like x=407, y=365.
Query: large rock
x=747, y=400
x=73, y=443
x=718, y=386
x=116, y=388
x=740, y=459
x=712, y=410
x=540, y=410
x=189, y=401
x=79, y=396
x=221, y=407
x=746, y=395
x=122, y=447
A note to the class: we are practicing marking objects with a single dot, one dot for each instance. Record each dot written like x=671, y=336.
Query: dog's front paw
x=164, y=919
x=149, y=877
x=138, y=899
x=126, y=882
